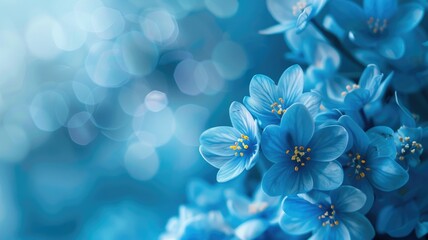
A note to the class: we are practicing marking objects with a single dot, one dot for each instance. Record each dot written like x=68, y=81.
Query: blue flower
x=370, y=160
x=379, y=24
x=304, y=159
x=268, y=102
x=232, y=149
x=292, y=14
x=332, y=215
x=344, y=94
x=408, y=138
x=256, y=215
x=193, y=224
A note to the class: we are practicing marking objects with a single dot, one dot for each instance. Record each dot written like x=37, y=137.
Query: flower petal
x=274, y=140
x=215, y=160
x=359, y=138
x=344, y=19
x=297, y=226
x=242, y=120
x=251, y=229
x=408, y=18
x=312, y=101
x=281, y=179
x=392, y=48
x=231, y=169
x=297, y=207
x=299, y=123
x=386, y=174
x=339, y=232
x=348, y=199
x=217, y=140
x=398, y=221
x=290, y=85
x=357, y=98
x=326, y=175
x=328, y=143
x=358, y=225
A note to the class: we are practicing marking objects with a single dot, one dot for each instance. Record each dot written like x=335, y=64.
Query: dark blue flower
x=370, y=160
x=232, y=149
x=379, y=24
x=292, y=14
x=268, y=102
x=304, y=159
x=332, y=215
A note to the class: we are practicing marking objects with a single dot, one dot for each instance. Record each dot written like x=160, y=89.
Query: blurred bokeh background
x=102, y=103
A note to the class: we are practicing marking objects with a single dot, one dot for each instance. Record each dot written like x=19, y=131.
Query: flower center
x=358, y=163
x=377, y=25
x=241, y=145
x=298, y=7
x=257, y=207
x=277, y=107
x=408, y=147
x=328, y=218
x=300, y=156
x=350, y=88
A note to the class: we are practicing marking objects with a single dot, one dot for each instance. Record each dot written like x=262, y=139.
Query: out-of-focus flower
x=268, y=102
x=192, y=224
x=379, y=25
x=332, y=215
x=292, y=14
x=304, y=158
x=255, y=215
x=232, y=149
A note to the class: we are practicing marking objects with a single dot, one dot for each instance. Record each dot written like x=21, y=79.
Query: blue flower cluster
x=338, y=152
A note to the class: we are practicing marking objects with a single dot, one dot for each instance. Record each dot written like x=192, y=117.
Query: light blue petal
x=231, y=169
x=279, y=28
x=408, y=17
x=303, y=19
x=348, y=199
x=238, y=205
x=368, y=80
x=392, y=48
x=299, y=125
x=215, y=160
x=326, y=175
x=281, y=179
x=290, y=85
x=328, y=143
x=262, y=96
x=296, y=207
x=359, y=138
x=217, y=140
x=386, y=174
x=298, y=226
x=421, y=229
x=274, y=143
x=281, y=10
x=251, y=229
x=312, y=101
x=242, y=120
x=358, y=225
x=382, y=88
x=261, y=111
